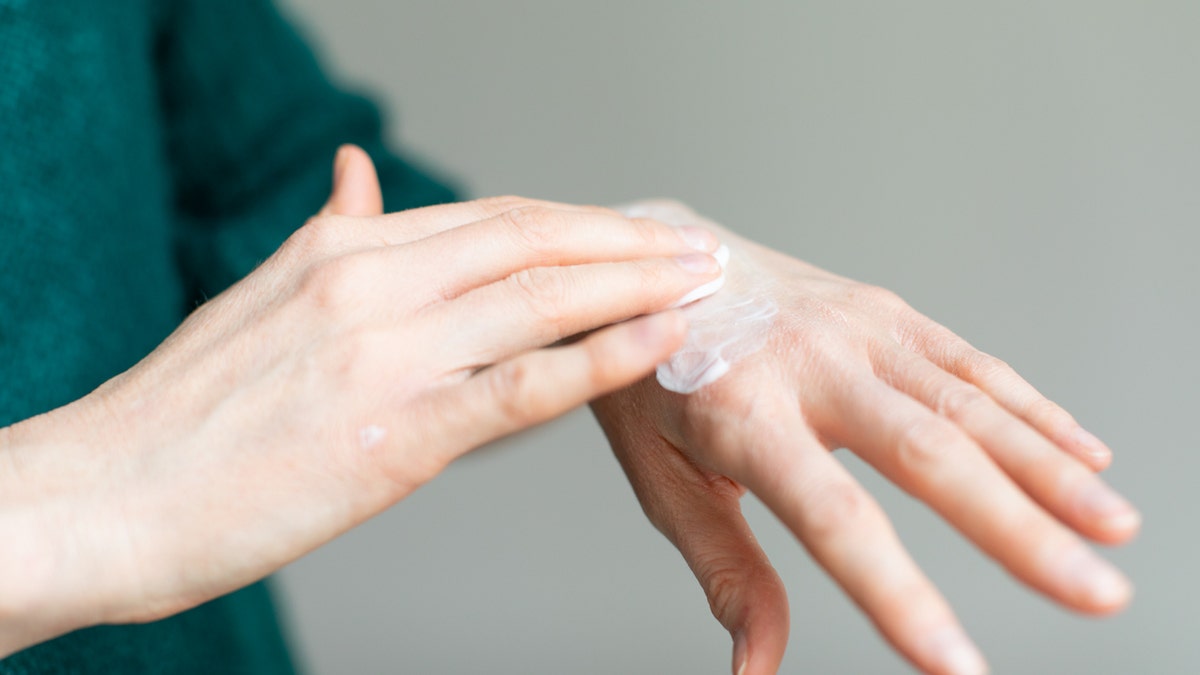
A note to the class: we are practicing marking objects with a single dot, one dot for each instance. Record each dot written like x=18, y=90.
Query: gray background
x=1025, y=172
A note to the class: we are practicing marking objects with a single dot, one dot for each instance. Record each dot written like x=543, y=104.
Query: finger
x=417, y=224
x=1055, y=480
x=934, y=460
x=700, y=514
x=331, y=234
x=1009, y=389
x=535, y=236
x=542, y=305
x=847, y=533
x=356, y=189
x=538, y=386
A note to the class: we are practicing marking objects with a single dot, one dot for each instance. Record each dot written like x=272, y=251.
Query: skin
x=322, y=389
x=851, y=365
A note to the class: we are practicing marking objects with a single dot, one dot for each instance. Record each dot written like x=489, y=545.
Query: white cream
x=727, y=321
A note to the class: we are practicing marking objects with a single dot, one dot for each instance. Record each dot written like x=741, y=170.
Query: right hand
x=350, y=368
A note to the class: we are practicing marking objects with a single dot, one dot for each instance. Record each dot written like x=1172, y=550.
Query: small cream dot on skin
x=370, y=436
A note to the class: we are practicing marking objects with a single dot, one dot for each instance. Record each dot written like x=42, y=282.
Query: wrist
x=43, y=585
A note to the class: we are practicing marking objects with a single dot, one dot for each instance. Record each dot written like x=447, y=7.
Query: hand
x=350, y=368
x=851, y=365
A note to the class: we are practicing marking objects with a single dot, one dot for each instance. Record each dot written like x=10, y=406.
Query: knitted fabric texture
x=151, y=153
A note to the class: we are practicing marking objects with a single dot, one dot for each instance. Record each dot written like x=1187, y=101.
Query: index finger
x=335, y=234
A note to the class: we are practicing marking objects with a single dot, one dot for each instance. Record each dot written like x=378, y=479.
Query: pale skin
x=851, y=365
x=347, y=370
x=326, y=387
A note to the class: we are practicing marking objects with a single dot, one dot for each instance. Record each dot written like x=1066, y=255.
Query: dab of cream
x=370, y=436
x=729, y=318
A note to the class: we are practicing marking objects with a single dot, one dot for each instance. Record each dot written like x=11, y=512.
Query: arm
x=849, y=365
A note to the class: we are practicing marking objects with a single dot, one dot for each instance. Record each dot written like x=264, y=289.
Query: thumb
x=744, y=591
x=700, y=513
x=355, y=185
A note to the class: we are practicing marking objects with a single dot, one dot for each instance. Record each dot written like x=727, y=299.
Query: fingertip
x=762, y=655
x=1125, y=527
x=1092, y=450
x=1113, y=597
x=949, y=651
x=1099, y=463
x=1106, y=515
x=356, y=190
x=355, y=153
x=1112, y=603
x=760, y=637
x=740, y=654
x=1090, y=584
x=339, y=165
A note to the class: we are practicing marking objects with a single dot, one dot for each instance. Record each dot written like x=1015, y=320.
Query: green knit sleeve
x=252, y=124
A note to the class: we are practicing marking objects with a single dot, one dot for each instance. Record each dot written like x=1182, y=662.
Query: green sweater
x=151, y=153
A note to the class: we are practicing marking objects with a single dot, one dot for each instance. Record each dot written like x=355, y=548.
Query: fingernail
x=697, y=238
x=741, y=656
x=1094, y=446
x=953, y=652
x=1100, y=502
x=1093, y=579
x=698, y=263
x=339, y=164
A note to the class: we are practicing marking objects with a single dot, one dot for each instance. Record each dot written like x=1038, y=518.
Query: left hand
x=852, y=365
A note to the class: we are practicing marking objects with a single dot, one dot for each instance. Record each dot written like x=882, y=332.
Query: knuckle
x=335, y=284
x=649, y=232
x=923, y=445
x=956, y=402
x=838, y=508
x=350, y=359
x=543, y=292
x=1043, y=408
x=514, y=391
x=980, y=367
x=718, y=421
x=597, y=372
x=724, y=578
x=399, y=466
x=722, y=488
x=657, y=274
x=320, y=235
x=534, y=227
